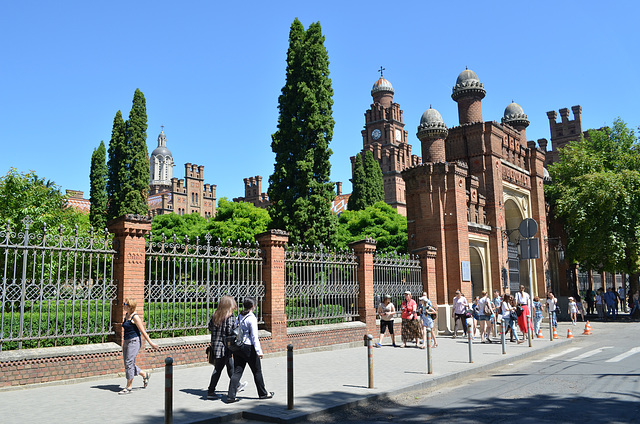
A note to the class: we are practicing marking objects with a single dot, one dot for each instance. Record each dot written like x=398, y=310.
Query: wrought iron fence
x=321, y=286
x=394, y=274
x=583, y=281
x=183, y=282
x=57, y=289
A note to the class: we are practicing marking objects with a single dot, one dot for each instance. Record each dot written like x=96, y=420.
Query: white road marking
x=589, y=354
x=555, y=355
x=622, y=356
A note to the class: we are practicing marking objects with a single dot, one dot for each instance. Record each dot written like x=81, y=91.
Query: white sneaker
x=241, y=386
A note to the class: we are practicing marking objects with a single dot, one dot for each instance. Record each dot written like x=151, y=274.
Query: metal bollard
x=529, y=330
x=168, y=390
x=550, y=325
x=469, y=339
x=290, y=376
x=370, y=356
x=429, y=357
x=502, y=340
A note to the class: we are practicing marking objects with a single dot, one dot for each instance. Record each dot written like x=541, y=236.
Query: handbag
x=519, y=310
x=211, y=356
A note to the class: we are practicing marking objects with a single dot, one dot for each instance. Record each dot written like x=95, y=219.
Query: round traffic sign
x=528, y=228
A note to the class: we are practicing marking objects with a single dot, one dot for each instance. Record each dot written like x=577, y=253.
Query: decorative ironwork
x=184, y=282
x=394, y=274
x=321, y=285
x=56, y=288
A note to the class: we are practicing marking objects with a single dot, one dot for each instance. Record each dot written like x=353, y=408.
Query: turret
x=468, y=93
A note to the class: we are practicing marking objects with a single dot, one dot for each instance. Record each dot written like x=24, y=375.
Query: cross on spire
x=381, y=70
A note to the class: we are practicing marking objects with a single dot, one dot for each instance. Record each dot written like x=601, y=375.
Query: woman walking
x=428, y=313
x=460, y=312
x=386, y=310
x=221, y=325
x=250, y=353
x=537, y=315
x=485, y=311
x=509, y=316
x=522, y=300
x=411, y=329
x=133, y=329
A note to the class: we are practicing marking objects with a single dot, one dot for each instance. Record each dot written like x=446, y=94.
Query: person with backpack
x=250, y=352
x=221, y=326
x=485, y=309
x=427, y=313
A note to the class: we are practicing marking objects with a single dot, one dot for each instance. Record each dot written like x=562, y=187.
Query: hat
x=571, y=298
x=386, y=296
x=407, y=292
x=423, y=298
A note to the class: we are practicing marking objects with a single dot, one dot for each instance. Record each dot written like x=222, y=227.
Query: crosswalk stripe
x=622, y=356
x=555, y=355
x=589, y=354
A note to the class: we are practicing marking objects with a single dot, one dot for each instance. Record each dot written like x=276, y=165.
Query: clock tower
x=384, y=135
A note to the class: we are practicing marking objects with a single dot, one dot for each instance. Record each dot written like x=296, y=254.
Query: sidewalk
x=323, y=380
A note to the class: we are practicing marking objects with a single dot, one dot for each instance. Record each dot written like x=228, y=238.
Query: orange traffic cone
x=587, y=329
x=555, y=333
x=540, y=336
x=569, y=335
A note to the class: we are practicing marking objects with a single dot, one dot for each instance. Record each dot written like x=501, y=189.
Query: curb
x=289, y=417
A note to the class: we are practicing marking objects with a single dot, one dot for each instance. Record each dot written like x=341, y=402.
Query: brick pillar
x=128, y=265
x=427, y=257
x=364, y=250
x=272, y=244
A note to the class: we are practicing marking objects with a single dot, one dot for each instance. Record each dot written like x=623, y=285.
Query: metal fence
x=394, y=274
x=321, y=286
x=57, y=289
x=184, y=282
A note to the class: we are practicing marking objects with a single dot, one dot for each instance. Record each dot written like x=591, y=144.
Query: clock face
x=375, y=134
x=398, y=135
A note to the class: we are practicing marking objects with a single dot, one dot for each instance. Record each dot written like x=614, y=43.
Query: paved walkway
x=323, y=380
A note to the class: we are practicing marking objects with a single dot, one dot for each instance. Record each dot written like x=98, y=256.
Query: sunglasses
x=125, y=304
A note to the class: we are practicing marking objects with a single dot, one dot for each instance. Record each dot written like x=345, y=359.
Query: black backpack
x=235, y=341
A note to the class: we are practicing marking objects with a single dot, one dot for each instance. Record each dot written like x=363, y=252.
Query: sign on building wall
x=466, y=270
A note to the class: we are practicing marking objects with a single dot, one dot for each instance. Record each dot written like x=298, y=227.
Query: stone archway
x=477, y=272
x=513, y=216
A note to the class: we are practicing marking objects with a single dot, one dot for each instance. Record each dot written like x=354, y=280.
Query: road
x=596, y=379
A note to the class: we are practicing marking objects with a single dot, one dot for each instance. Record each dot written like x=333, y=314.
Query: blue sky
x=212, y=72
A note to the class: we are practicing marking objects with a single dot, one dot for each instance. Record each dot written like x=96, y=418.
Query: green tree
x=137, y=187
x=299, y=188
x=380, y=222
x=373, y=175
x=359, y=195
x=233, y=221
x=596, y=193
x=98, y=190
x=27, y=194
x=117, y=168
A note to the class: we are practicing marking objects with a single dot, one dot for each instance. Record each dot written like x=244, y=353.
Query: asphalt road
x=596, y=379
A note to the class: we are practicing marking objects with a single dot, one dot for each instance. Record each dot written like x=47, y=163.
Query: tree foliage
x=138, y=157
x=596, y=192
x=98, y=190
x=380, y=222
x=117, y=168
x=368, y=186
x=233, y=221
x=26, y=194
x=129, y=173
x=299, y=188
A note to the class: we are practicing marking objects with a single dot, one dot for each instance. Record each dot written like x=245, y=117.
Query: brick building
x=384, y=135
x=476, y=184
x=253, y=193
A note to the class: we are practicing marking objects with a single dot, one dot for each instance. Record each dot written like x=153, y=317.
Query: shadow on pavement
x=109, y=387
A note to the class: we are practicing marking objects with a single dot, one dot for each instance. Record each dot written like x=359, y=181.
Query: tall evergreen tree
x=137, y=187
x=357, y=200
x=117, y=168
x=299, y=189
x=98, y=191
x=373, y=175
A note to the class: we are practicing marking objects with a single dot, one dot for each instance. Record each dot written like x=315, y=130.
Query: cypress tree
x=98, y=190
x=357, y=200
x=299, y=189
x=373, y=176
x=117, y=168
x=137, y=185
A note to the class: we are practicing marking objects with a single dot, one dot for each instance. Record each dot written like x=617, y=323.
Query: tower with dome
x=477, y=181
x=384, y=135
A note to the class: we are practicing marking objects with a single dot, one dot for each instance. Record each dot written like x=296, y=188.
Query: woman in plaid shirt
x=221, y=325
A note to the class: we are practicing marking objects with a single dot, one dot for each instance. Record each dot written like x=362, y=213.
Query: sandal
x=145, y=380
x=124, y=391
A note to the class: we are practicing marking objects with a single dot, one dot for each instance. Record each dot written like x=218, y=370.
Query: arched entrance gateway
x=514, y=214
x=477, y=272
